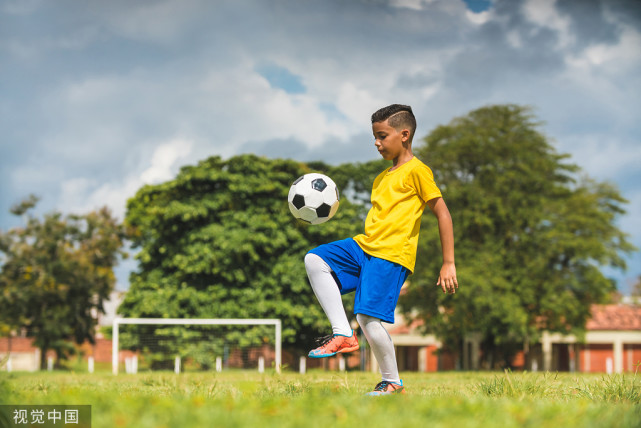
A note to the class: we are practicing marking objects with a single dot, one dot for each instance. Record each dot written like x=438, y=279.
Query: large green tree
x=56, y=273
x=218, y=241
x=531, y=232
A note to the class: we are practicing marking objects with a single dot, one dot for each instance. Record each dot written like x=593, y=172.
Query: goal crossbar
x=198, y=321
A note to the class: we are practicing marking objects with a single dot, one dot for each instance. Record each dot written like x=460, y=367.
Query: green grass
x=328, y=399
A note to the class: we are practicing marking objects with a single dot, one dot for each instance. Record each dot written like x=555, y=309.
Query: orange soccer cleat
x=334, y=344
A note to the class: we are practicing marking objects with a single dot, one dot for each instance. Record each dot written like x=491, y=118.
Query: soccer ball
x=313, y=198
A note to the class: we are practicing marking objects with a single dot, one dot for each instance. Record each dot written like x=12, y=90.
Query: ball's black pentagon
x=319, y=184
x=298, y=201
x=298, y=180
x=323, y=210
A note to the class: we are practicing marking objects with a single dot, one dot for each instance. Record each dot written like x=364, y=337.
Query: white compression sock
x=327, y=293
x=381, y=343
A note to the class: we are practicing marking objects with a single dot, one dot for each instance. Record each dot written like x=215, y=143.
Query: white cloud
x=98, y=119
x=619, y=58
x=253, y=110
x=545, y=14
x=356, y=103
x=82, y=194
x=602, y=156
x=160, y=21
x=479, y=18
x=164, y=160
x=603, y=76
x=408, y=4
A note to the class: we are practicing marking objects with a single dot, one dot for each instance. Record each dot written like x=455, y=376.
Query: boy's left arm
x=447, y=277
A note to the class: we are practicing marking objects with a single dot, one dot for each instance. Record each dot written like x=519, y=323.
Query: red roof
x=615, y=317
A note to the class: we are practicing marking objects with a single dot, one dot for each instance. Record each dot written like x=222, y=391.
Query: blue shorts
x=377, y=282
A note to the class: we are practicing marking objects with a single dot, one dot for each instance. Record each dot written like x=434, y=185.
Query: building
x=612, y=344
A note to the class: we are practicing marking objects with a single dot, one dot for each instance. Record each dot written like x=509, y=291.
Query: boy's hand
x=447, y=278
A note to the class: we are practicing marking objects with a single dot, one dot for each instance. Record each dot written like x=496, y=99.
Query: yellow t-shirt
x=393, y=222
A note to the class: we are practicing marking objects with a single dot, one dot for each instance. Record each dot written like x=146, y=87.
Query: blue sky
x=99, y=98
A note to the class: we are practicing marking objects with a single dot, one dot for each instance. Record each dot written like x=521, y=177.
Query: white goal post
x=197, y=321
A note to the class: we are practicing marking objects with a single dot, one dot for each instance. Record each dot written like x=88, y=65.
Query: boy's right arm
x=447, y=277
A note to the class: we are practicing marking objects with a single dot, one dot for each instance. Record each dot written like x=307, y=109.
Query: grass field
x=329, y=399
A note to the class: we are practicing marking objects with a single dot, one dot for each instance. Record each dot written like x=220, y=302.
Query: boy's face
x=389, y=142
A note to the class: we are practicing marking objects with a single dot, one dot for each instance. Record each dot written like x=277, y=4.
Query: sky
x=98, y=98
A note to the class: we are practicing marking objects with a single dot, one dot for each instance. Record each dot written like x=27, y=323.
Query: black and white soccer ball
x=313, y=198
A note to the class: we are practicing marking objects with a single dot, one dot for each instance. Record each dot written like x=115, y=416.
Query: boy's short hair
x=399, y=116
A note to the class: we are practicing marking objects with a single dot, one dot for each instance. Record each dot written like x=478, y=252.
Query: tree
x=218, y=241
x=56, y=274
x=531, y=233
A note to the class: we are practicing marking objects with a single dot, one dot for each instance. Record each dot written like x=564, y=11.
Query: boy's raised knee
x=314, y=263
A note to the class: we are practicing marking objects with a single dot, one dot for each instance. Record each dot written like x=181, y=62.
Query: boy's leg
x=382, y=346
x=376, y=298
x=333, y=270
x=327, y=293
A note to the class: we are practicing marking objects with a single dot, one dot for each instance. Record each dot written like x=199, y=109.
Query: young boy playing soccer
x=375, y=264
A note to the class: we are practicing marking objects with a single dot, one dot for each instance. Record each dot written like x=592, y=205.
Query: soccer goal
x=196, y=344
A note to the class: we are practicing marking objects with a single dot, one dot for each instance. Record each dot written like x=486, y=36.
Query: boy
x=375, y=264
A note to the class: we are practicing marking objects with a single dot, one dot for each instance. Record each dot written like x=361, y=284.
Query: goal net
x=195, y=344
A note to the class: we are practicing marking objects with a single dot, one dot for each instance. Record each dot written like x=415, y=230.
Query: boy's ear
x=405, y=135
